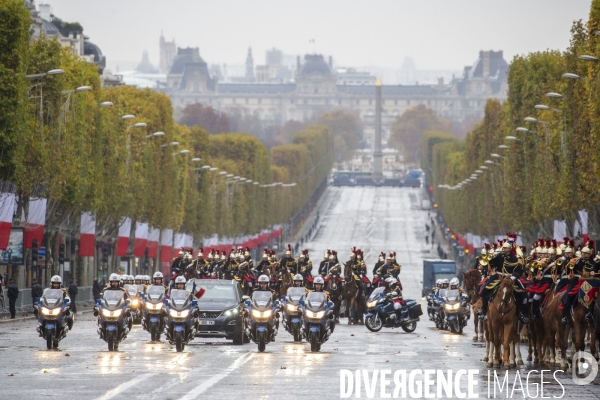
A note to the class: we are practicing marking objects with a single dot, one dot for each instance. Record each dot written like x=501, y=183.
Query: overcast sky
x=437, y=34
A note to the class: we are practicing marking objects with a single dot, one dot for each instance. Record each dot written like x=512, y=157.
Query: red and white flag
x=199, y=292
x=153, y=238
x=7, y=210
x=141, y=238
x=123, y=239
x=87, y=239
x=189, y=241
x=179, y=240
x=166, y=245
x=36, y=219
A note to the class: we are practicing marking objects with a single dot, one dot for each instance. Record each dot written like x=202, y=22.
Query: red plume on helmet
x=566, y=240
x=591, y=245
x=289, y=247
x=572, y=244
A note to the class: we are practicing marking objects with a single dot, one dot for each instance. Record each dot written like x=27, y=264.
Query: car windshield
x=376, y=293
x=52, y=296
x=155, y=292
x=218, y=293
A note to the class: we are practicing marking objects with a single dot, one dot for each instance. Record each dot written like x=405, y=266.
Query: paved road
x=374, y=219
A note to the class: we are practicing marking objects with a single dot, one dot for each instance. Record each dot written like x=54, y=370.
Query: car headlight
x=292, y=307
x=109, y=313
x=372, y=304
x=233, y=311
x=264, y=314
x=151, y=306
x=50, y=311
x=179, y=314
x=318, y=314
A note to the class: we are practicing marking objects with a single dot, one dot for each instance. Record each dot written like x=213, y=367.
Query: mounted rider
x=305, y=267
x=544, y=273
x=332, y=262
x=287, y=263
x=582, y=268
x=264, y=262
x=562, y=271
x=177, y=265
x=201, y=266
x=506, y=264
x=362, y=271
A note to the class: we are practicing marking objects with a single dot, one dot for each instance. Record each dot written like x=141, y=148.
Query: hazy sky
x=437, y=34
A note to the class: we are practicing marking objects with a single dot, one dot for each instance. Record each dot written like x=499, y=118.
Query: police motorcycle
x=382, y=313
x=456, y=310
x=54, y=323
x=318, y=319
x=292, y=313
x=153, y=304
x=113, y=318
x=438, y=309
x=136, y=303
x=431, y=297
x=263, y=320
x=182, y=312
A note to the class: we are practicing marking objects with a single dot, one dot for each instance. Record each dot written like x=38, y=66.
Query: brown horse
x=502, y=320
x=472, y=278
x=334, y=289
x=581, y=306
x=354, y=303
x=554, y=330
x=286, y=282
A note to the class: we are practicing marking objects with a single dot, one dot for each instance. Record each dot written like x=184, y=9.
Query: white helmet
x=138, y=277
x=56, y=279
x=319, y=279
x=391, y=280
x=147, y=278
x=157, y=274
x=130, y=277
x=263, y=279
x=180, y=279
x=444, y=281
x=454, y=282
x=298, y=277
x=114, y=277
x=438, y=282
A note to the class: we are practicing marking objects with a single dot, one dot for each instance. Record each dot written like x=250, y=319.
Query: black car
x=221, y=310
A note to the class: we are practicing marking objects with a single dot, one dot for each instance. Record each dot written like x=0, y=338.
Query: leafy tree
x=206, y=117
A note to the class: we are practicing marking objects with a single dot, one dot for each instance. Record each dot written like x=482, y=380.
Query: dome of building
x=314, y=64
x=185, y=56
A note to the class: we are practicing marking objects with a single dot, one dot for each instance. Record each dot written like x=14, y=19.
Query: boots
x=482, y=312
x=535, y=306
x=566, y=307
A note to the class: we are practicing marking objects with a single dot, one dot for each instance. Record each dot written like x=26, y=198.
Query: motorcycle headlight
x=264, y=314
x=371, y=304
x=233, y=311
x=318, y=314
x=292, y=307
x=50, y=311
x=109, y=313
x=135, y=302
x=151, y=306
x=179, y=314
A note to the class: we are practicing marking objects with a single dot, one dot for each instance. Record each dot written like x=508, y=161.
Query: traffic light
x=34, y=250
x=61, y=253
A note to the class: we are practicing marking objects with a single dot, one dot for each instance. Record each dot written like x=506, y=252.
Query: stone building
x=316, y=89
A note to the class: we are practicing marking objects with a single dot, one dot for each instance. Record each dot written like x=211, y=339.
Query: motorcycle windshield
x=294, y=294
x=52, y=297
x=376, y=293
x=112, y=299
x=442, y=292
x=180, y=299
x=132, y=290
x=316, y=301
x=156, y=293
x=262, y=300
x=140, y=288
x=452, y=295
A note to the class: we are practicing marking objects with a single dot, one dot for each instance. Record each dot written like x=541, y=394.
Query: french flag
x=36, y=219
x=141, y=239
x=166, y=245
x=153, y=238
x=179, y=241
x=7, y=210
x=87, y=238
x=123, y=239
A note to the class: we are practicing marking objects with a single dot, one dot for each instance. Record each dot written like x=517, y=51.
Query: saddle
x=587, y=290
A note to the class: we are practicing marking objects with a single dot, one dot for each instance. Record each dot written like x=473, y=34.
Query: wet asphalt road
x=373, y=219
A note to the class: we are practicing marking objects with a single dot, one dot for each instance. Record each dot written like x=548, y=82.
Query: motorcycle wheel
x=111, y=341
x=49, y=340
x=55, y=343
x=179, y=345
x=453, y=327
x=410, y=327
x=261, y=342
x=314, y=343
x=374, y=323
x=297, y=336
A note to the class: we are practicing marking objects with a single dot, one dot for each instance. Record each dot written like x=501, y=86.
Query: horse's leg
x=506, y=342
x=476, y=324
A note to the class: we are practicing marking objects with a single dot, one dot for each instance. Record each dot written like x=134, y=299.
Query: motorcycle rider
x=299, y=282
x=114, y=283
x=179, y=284
x=158, y=281
x=319, y=285
x=263, y=286
x=455, y=285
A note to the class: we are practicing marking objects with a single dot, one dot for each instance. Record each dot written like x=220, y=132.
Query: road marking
x=124, y=386
x=192, y=394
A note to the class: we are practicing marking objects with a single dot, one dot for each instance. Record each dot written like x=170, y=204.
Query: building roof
x=253, y=88
x=395, y=90
x=314, y=64
x=50, y=29
x=184, y=57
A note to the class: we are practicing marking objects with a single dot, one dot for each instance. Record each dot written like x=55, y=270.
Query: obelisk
x=377, y=162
